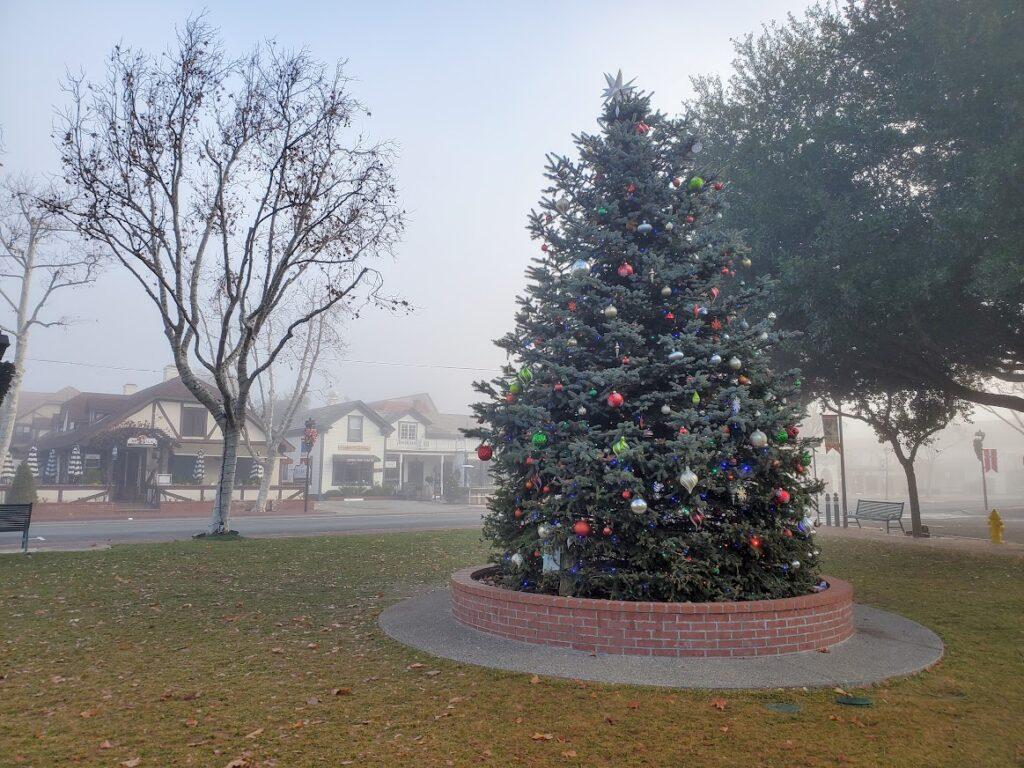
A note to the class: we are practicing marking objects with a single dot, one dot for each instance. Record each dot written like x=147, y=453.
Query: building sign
x=354, y=447
x=141, y=442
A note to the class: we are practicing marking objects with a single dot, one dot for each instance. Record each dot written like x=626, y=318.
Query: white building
x=404, y=443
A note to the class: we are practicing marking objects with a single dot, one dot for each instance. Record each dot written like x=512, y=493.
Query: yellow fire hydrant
x=995, y=527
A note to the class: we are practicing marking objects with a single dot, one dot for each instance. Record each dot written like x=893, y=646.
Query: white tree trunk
x=9, y=410
x=268, y=473
x=222, y=506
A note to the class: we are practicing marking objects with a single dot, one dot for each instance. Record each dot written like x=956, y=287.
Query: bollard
x=996, y=526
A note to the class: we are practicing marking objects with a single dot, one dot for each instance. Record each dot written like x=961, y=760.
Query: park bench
x=15, y=518
x=887, y=511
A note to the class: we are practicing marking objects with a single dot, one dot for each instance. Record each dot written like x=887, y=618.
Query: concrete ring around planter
x=881, y=645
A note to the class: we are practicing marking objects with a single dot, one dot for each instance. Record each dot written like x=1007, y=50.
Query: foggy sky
x=474, y=94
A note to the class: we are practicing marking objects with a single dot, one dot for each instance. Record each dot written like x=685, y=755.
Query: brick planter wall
x=751, y=628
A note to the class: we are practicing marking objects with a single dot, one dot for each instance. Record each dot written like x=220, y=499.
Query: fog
x=473, y=95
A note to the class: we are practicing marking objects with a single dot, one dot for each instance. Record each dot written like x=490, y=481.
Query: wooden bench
x=15, y=518
x=887, y=511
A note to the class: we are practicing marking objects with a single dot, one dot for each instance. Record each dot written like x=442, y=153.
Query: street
x=383, y=515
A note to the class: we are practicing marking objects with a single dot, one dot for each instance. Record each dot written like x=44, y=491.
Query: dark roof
x=29, y=401
x=446, y=425
x=327, y=415
x=117, y=408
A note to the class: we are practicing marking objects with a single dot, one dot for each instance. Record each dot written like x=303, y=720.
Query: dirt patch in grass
x=267, y=653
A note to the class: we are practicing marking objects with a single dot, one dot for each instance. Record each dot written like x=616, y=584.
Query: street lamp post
x=308, y=441
x=979, y=450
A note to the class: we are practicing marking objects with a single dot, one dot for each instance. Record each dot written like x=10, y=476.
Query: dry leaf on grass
x=105, y=744
x=718, y=704
x=534, y=680
x=254, y=734
x=569, y=753
x=341, y=691
x=542, y=736
x=132, y=762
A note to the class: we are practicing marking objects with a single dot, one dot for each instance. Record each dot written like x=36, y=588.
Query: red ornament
x=625, y=269
x=714, y=292
x=546, y=489
x=559, y=387
x=755, y=542
x=625, y=359
x=642, y=128
x=683, y=431
x=787, y=533
x=631, y=188
x=716, y=324
x=677, y=182
x=669, y=316
x=718, y=186
x=627, y=493
x=581, y=528
x=725, y=270
x=529, y=485
x=544, y=247
x=572, y=305
x=510, y=398
x=529, y=460
x=615, y=400
x=690, y=219
x=793, y=431
x=782, y=496
x=607, y=530
x=484, y=453
x=518, y=513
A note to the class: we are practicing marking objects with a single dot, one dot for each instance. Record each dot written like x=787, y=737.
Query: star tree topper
x=616, y=90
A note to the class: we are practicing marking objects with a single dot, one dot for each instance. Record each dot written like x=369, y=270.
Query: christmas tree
x=643, y=448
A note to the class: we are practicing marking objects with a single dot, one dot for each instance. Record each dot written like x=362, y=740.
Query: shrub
x=23, y=488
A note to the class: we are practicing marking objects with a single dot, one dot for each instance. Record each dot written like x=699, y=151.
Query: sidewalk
x=900, y=539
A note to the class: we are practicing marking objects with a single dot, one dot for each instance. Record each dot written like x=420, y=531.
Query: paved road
x=950, y=519
x=331, y=517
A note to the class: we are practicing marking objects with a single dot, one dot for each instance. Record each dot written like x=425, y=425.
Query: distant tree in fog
x=40, y=260
x=235, y=182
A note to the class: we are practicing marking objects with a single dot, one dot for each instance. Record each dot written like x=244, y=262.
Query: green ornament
x=695, y=399
x=805, y=457
x=539, y=439
x=620, y=446
x=525, y=374
x=592, y=392
x=781, y=436
x=515, y=387
x=696, y=184
x=602, y=211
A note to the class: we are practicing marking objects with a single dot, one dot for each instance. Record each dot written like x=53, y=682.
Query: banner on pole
x=830, y=430
x=990, y=460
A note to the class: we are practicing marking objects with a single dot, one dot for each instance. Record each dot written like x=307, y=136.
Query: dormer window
x=408, y=431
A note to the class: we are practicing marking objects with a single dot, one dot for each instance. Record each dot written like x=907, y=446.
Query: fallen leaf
x=313, y=701
x=824, y=649
x=105, y=744
x=569, y=753
x=239, y=762
x=341, y=691
x=277, y=650
x=132, y=762
x=254, y=734
x=724, y=729
x=633, y=704
x=718, y=704
x=433, y=673
x=534, y=680
x=87, y=713
x=542, y=736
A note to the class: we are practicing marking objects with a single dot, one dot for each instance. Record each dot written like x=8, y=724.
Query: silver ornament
x=735, y=363
x=582, y=411
x=735, y=405
x=744, y=325
x=741, y=494
x=638, y=506
x=688, y=479
x=645, y=228
x=571, y=342
x=517, y=559
x=676, y=356
x=666, y=291
x=696, y=147
x=666, y=409
x=562, y=204
x=610, y=311
x=669, y=226
x=580, y=265
x=772, y=316
x=795, y=565
x=544, y=530
x=716, y=359
x=758, y=439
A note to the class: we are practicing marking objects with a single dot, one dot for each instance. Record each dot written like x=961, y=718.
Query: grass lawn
x=267, y=653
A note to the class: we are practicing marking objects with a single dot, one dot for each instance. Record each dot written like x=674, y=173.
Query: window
x=243, y=472
x=183, y=466
x=355, y=429
x=193, y=421
x=92, y=461
x=23, y=430
x=408, y=430
x=352, y=472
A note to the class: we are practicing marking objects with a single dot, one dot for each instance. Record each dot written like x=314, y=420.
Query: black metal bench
x=887, y=511
x=15, y=518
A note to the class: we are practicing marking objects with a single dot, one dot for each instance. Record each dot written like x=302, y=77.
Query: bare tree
x=38, y=261
x=282, y=390
x=233, y=181
x=907, y=421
